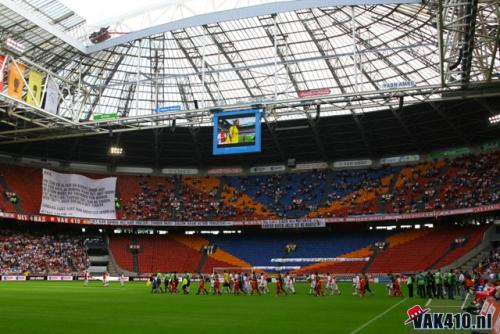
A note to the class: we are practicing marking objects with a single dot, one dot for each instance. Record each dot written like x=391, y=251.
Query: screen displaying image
x=237, y=132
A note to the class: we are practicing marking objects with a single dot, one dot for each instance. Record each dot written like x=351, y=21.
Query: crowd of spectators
x=476, y=183
x=174, y=200
x=41, y=253
x=462, y=182
x=415, y=189
x=155, y=201
x=287, y=195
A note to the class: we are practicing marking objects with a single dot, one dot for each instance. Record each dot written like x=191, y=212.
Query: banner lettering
x=72, y=195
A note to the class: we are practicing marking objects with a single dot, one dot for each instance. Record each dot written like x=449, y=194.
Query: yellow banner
x=34, y=94
x=16, y=83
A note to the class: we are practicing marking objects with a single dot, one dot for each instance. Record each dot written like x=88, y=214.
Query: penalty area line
x=377, y=317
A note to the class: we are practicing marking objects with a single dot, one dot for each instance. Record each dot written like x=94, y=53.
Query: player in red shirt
x=217, y=285
x=173, y=284
x=318, y=289
x=236, y=285
x=362, y=286
x=397, y=287
x=253, y=284
x=279, y=285
x=201, y=287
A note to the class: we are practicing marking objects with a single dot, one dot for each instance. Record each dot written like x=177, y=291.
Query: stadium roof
x=293, y=58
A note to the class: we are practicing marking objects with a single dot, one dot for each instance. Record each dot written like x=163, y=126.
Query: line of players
x=243, y=283
x=105, y=279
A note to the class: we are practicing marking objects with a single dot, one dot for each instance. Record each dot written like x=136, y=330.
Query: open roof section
x=162, y=16
x=367, y=57
x=206, y=15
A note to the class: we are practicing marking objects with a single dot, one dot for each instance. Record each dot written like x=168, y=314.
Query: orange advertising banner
x=16, y=82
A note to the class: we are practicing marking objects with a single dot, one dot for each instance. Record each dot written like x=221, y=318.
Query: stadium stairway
x=390, y=190
x=217, y=197
x=177, y=191
x=6, y=205
x=470, y=264
x=328, y=188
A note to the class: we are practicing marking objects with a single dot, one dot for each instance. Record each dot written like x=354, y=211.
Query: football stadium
x=249, y=166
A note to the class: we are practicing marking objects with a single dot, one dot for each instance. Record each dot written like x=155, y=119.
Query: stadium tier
x=338, y=252
x=353, y=251
x=463, y=182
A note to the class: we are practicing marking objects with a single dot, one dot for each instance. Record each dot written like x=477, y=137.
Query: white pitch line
x=377, y=317
x=428, y=302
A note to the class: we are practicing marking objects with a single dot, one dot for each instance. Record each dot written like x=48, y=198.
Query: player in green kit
x=166, y=282
x=451, y=282
x=186, y=280
x=159, y=278
x=438, y=280
x=421, y=285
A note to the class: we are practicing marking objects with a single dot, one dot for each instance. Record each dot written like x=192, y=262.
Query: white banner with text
x=73, y=195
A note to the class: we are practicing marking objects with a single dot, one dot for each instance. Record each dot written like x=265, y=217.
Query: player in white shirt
x=212, y=283
x=355, y=285
x=105, y=280
x=86, y=276
x=390, y=285
x=263, y=284
x=331, y=284
x=289, y=288
x=122, y=280
x=312, y=287
x=246, y=284
x=230, y=289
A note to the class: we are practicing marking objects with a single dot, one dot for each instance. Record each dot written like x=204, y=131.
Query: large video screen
x=237, y=132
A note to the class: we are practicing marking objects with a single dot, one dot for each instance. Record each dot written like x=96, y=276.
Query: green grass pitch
x=68, y=307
